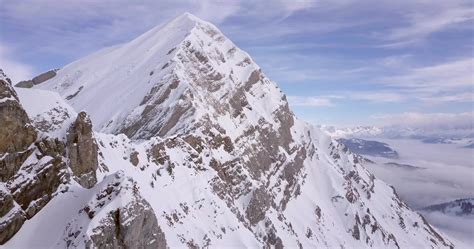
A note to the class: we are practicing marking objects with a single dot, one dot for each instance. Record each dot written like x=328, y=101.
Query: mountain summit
x=195, y=147
x=141, y=88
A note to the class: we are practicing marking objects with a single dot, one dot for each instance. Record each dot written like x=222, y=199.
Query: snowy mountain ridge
x=170, y=53
x=202, y=151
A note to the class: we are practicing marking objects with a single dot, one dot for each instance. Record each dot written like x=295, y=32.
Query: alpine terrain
x=178, y=139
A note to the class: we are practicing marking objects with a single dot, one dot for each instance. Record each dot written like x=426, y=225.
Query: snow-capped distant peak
x=349, y=132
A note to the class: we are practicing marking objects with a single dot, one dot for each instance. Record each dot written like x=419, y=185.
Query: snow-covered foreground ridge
x=194, y=147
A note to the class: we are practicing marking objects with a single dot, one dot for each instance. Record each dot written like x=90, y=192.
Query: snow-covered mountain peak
x=180, y=25
x=221, y=162
x=185, y=69
x=119, y=77
x=188, y=17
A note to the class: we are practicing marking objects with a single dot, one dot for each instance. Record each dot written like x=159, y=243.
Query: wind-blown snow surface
x=217, y=153
x=111, y=82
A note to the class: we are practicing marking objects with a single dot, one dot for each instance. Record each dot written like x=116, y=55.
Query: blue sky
x=340, y=62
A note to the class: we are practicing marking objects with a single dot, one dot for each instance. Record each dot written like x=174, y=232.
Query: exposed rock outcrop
x=11, y=216
x=132, y=224
x=31, y=171
x=82, y=151
x=37, y=80
x=38, y=180
x=16, y=133
x=258, y=205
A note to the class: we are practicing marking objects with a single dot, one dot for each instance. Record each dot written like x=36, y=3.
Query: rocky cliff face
x=82, y=151
x=38, y=164
x=32, y=168
x=215, y=155
x=17, y=133
x=16, y=136
x=12, y=216
x=130, y=224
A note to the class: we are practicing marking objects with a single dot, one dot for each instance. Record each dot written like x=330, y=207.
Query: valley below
x=426, y=174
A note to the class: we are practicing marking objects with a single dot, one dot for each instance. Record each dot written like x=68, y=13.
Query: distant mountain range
x=460, y=207
x=369, y=148
x=463, y=137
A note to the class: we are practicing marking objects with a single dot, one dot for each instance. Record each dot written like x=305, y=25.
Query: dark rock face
x=16, y=133
x=133, y=226
x=48, y=172
x=82, y=151
x=32, y=186
x=259, y=204
x=11, y=162
x=37, y=80
x=28, y=185
x=134, y=158
x=25, y=84
x=44, y=77
x=15, y=216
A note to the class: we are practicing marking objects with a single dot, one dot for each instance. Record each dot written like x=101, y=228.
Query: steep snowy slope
x=211, y=146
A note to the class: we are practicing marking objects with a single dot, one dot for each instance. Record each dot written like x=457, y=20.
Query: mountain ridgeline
x=183, y=141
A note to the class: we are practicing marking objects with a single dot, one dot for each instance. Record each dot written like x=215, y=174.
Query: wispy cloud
x=376, y=96
x=465, y=97
x=422, y=25
x=331, y=100
x=451, y=75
